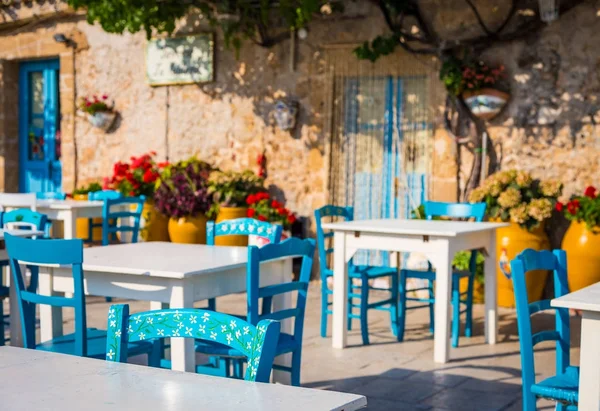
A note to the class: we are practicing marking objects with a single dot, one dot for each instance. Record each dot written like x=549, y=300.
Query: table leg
x=183, y=356
x=340, y=292
x=50, y=317
x=491, y=292
x=443, y=286
x=283, y=302
x=589, y=373
x=70, y=225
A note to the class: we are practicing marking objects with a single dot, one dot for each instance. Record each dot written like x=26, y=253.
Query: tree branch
x=479, y=18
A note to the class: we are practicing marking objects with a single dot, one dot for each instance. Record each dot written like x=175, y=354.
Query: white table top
x=414, y=227
x=36, y=380
x=586, y=299
x=67, y=204
x=161, y=259
x=20, y=233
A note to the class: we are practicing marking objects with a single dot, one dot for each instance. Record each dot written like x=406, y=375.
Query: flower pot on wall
x=583, y=256
x=188, y=230
x=485, y=103
x=102, y=119
x=154, y=226
x=511, y=241
x=231, y=213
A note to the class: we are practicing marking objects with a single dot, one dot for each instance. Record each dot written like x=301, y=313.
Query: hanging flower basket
x=102, y=119
x=486, y=103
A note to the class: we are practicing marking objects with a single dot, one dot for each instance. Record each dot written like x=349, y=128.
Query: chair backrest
x=454, y=210
x=18, y=200
x=24, y=218
x=50, y=195
x=34, y=253
x=344, y=213
x=292, y=247
x=523, y=263
x=243, y=226
x=126, y=212
x=104, y=195
x=257, y=343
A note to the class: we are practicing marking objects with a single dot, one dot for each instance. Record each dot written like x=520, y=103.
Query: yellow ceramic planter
x=231, y=213
x=583, y=256
x=154, y=225
x=188, y=230
x=510, y=241
x=82, y=224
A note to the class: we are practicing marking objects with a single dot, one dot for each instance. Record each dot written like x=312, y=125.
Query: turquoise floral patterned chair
x=256, y=343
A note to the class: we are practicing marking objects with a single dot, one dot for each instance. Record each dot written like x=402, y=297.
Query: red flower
x=573, y=206
x=150, y=176
x=132, y=193
x=282, y=211
x=251, y=199
x=559, y=206
x=104, y=97
x=590, y=192
x=291, y=219
x=250, y=213
x=87, y=104
x=275, y=204
x=153, y=153
x=163, y=164
x=262, y=218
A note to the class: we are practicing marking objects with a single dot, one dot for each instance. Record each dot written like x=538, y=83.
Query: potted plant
x=98, y=112
x=138, y=177
x=480, y=92
x=263, y=207
x=582, y=239
x=182, y=195
x=229, y=191
x=515, y=197
x=82, y=224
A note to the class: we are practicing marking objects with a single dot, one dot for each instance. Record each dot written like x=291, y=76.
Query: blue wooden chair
x=126, y=218
x=241, y=226
x=364, y=273
x=86, y=342
x=50, y=195
x=433, y=210
x=100, y=196
x=564, y=386
x=256, y=343
x=288, y=343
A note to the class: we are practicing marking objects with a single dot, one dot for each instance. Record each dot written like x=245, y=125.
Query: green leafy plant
x=95, y=105
x=230, y=188
x=583, y=209
x=451, y=76
x=90, y=188
x=514, y=196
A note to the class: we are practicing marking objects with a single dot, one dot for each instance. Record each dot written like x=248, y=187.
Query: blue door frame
x=39, y=127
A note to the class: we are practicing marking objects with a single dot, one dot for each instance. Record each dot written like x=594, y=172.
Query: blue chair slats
x=100, y=196
x=126, y=213
x=564, y=386
x=241, y=226
x=433, y=210
x=24, y=218
x=87, y=342
x=256, y=343
x=358, y=294
x=257, y=312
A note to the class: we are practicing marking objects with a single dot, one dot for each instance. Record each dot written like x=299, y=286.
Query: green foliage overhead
x=238, y=19
x=380, y=46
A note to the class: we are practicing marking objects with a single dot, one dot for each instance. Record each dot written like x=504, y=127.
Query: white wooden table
x=588, y=301
x=169, y=275
x=68, y=211
x=38, y=380
x=438, y=241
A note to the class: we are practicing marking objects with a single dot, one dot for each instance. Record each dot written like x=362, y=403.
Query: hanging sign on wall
x=180, y=60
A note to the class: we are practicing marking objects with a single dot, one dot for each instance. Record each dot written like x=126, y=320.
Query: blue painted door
x=39, y=127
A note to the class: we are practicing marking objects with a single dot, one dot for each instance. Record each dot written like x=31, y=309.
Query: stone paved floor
x=403, y=376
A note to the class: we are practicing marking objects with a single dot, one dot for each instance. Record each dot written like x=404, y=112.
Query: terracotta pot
x=231, y=213
x=583, y=256
x=188, y=230
x=510, y=241
x=485, y=103
x=82, y=224
x=154, y=226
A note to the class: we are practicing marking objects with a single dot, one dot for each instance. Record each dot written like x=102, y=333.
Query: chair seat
x=286, y=344
x=96, y=345
x=561, y=387
x=372, y=271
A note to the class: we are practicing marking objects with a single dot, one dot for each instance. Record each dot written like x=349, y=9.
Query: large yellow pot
x=188, y=230
x=510, y=241
x=231, y=213
x=82, y=224
x=154, y=225
x=583, y=256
